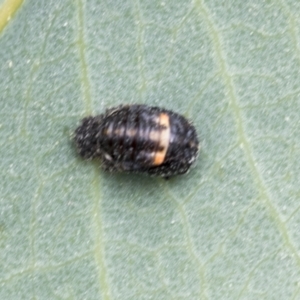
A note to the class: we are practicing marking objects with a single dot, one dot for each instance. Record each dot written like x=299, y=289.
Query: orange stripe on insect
x=164, y=139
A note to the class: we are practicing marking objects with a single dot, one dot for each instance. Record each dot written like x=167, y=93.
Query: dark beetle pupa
x=139, y=138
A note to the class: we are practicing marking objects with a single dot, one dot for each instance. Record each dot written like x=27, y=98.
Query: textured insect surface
x=140, y=139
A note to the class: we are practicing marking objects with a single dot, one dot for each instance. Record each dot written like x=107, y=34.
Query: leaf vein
x=262, y=189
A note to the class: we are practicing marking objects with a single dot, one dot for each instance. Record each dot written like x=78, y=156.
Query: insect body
x=139, y=138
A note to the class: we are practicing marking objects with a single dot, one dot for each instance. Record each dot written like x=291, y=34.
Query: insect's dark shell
x=139, y=138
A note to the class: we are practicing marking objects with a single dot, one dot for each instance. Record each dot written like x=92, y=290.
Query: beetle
x=139, y=138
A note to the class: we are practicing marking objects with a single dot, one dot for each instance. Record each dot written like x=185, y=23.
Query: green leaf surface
x=230, y=229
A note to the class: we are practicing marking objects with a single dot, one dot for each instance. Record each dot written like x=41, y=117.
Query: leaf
x=227, y=230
